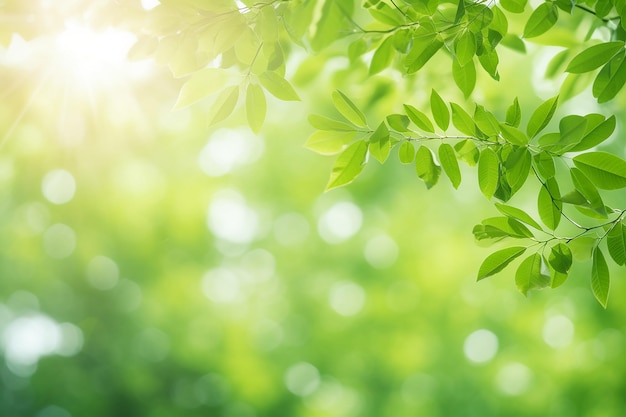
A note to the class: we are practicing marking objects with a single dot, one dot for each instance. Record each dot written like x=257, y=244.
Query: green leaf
x=514, y=42
x=450, y=164
x=605, y=170
x=380, y=145
x=517, y=214
x=514, y=114
x=588, y=191
x=514, y=135
x=571, y=128
x=616, y=243
x=517, y=166
x=550, y=207
x=329, y=142
x=200, y=85
x=346, y=107
x=398, y=122
x=598, y=134
x=440, y=111
x=486, y=122
x=489, y=61
x=348, y=165
x=499, y=227
x=256, y=107
x=600, y=279
x=421, y=53
x=529, y=276
x=467, y=151
x=488, y=172
x=541, y=19
x=419, y=119
x=560, y=258
x=594, y=57
x=462, y=120
x=387, y=14
x=465, y=48
x=382, y=57
x=541, y=116
x=498, y=260
x=514, y=6
x=278, y=86
x=406, y=152
x=610, y=79
x=426, y=167
x=464, y=77
x=556, y=63
x=544, y=165
x=325, y=123
x=224, y=105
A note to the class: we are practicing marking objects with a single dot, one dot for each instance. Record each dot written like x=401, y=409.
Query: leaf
x=450, y=165
x=594, y=57
x=420, y=54
x=514, y=114
x=528, y=275
x=588, y=191
x=200, y=85
x=467, y=151
x=498, y=260
x=398, y=122
x=517, y=214
x=440, y=111
x=605, y=170
x=419, y=119
x=465, y=48
x=256, y=107
x=596, y=135
x=406, y=152
x=541, y=116
x=541, y=19
x=380, y=145
x=549, y=204
x=616, y=243
x=600, y=279
x=348, y=110
x=326, y=123
x=517, y=166
x=489, y=61
x=571, y=129
x=224, y=105
x=514, y=135
x=556, y=63
x=426, y=167
x=488, y=172
x=610, y=79
x=464, y=77
x=278, y=86
x=514, y=6
x=382, y=57
x=499, y=227
x=560, y=258
x=329, y=142
x=544, y=165
x=462, y=120
x=348, y=165
x=486, y=122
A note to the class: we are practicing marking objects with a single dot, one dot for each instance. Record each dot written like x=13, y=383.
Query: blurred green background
x=151, y=266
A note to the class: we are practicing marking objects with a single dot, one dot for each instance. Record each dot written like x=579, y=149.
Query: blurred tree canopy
x=169, y=248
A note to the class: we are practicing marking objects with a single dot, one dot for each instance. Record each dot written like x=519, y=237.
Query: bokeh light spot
x=302, y=379
x=291, y=229
x=221, y=285
x=229, y=149
x=381, y=251
x=102, y=273
x=59, y=241
x=58, y=186
x=340, y=222
x=558, y=332
x=481, y=346
x=346, y=298
x=514, y=379
x=231, y=219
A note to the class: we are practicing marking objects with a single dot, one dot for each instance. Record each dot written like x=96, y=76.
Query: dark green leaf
x=488, y=172
x=605, y=170
x=426, y=167
x=348, y=165
x=348, y=109
x=541, y=116
x=610, y=79
x=528, y=275
x=450, y=164
x=600, y=279
x=560, y=258
x=440, y=111
x=594, y=57
x=419, y=119
x=498, y=260
x=541, y=19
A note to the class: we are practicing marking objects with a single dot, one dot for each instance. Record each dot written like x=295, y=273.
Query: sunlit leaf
x=450, y=165
x=382, y=57
x=616, y=243
x=326, y=123
x=541, y=19
x=611, y=78
x=406, y=152
x=329, y=142
x=600, y=279
x=529, y=276
x=426, y=168
x=440, y=111
x=594, y=57
x=517, y=214
x=605, y=170
x=549, y=204
x=418, y=118
x=462, y=120
x=348, y=165
x=380, y=145
x=255, y=107
x=348, y=109
x=278, y=86
x=488, y=172
x=514, y=114
x=498, y=260
x=200, y=85
x=224, y=105
x=541, y=116
x=595, y=136
x=560, y=258
x=514, y=6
